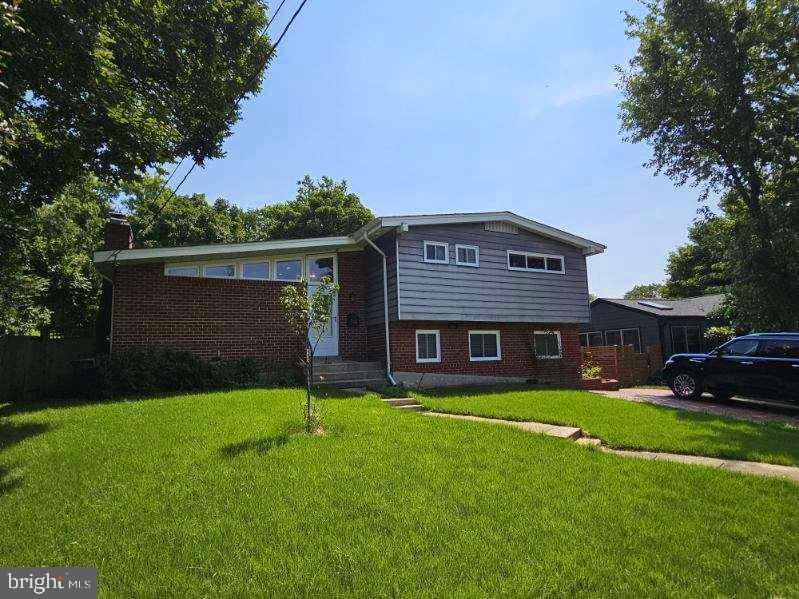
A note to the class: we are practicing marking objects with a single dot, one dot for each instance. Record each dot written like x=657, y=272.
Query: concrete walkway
x=576, y=434
x=740, y=409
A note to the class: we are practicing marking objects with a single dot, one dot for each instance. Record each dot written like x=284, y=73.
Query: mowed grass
x=215, y=494
x=627, y=425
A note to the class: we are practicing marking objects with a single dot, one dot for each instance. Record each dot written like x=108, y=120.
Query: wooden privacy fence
x=624, y=364
x=35, y=367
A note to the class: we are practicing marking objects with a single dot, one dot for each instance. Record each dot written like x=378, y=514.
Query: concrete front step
x=328, y=367
x=353, y=384
x=354, y=375
x=414, y=407
x=401, y=401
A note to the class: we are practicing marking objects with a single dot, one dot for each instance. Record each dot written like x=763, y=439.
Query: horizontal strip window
x=183, y=271
x=436, y=252
x=256, y=271
x=535, y=262
x=220, y=271
x=484, y=346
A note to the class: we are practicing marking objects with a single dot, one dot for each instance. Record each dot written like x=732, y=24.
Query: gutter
x=389, y=375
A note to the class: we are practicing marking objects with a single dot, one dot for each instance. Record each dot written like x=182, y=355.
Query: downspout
x=385, y=308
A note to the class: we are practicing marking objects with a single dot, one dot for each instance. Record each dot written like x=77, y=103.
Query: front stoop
x=407, y=404
x=339, y=373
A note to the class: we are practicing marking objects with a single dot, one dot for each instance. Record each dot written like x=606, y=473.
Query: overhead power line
x=238, y=100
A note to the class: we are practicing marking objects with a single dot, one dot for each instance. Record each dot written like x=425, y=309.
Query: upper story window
x=535, y=262
x=183, y=271
x=258, y=271
x=436, y=252
x=467, y=255
x=428, y=346
x=484, y=346
x=288, y=270
x=547, y=345
x=220, y=271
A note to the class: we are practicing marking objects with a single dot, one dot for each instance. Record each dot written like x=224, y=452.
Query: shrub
x=156, y=370
x=715, y=336
x=590, y=369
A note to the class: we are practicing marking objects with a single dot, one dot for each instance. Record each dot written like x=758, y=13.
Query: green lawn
x=214, y=494
x=627, y=425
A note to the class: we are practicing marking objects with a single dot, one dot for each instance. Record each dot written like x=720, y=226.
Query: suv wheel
x=686, y=385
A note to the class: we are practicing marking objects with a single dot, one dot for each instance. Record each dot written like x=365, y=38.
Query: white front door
x=318, y=267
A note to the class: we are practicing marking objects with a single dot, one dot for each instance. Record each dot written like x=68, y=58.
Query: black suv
x=760, y=365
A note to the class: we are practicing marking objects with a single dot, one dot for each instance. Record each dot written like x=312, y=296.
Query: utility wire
x=249, y=82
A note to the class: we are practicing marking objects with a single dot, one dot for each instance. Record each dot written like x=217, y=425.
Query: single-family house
x=445, y=298
x=657, y=327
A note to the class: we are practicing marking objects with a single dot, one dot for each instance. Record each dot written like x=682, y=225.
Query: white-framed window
x=436, y=252
x=624, y=337
x=428, y=346
x=547, y=345
x=535, y=262
x=591, y=339
x=320, y=267
x=220, y=271
x=288, y=270
x=467, y=255
x=256, y=270
x=182, y=271
x=484, y=346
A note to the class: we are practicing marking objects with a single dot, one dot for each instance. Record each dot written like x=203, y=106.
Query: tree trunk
x=308, y=380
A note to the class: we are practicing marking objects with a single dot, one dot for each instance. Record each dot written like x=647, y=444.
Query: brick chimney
x=118, y=234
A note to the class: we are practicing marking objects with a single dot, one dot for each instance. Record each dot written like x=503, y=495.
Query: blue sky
x=454, y=107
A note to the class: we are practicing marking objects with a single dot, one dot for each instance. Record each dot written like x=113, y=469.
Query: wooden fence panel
x=32, y=367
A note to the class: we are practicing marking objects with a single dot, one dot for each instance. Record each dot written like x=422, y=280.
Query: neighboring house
x=668, y=326
x=451, y=297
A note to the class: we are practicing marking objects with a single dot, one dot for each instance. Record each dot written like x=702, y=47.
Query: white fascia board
x=589, y=247
x=223, y=250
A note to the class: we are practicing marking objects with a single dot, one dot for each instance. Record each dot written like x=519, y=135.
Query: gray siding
x=374, y=280
x=491, y=292
x=608, y=317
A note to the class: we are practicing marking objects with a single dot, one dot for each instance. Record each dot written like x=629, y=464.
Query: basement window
x=428, y=346
x=484, y=346
x=547, y=345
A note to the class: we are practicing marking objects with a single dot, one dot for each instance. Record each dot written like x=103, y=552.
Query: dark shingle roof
x=692, y=306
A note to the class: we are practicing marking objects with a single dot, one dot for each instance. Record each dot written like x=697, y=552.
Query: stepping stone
x=551, y=430
x=589, y=441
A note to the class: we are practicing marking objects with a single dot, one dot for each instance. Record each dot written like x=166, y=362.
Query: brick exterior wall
x=518, y=359
x=227, y=318
x=624, y=364
x=352, y=332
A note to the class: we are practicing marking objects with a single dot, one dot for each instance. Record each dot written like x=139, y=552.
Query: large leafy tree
x=713, y=90
x=160, y=218
x=703, y=265
x=112, y=88
x=55, y=285
x=645, y=291
x=321, y=208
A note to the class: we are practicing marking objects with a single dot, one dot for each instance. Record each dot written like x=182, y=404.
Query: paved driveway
x=741, y=409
